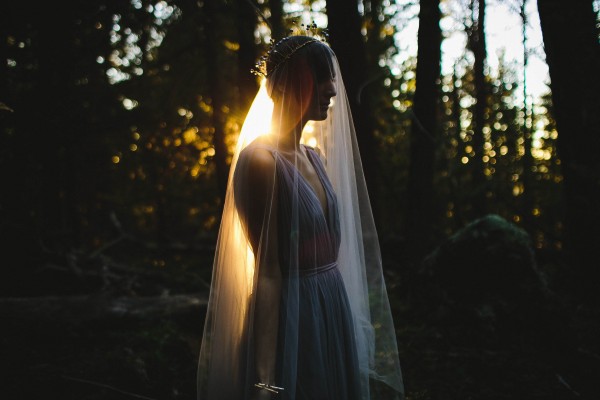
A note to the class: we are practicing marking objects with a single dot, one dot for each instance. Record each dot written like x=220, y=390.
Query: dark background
x=117, y=123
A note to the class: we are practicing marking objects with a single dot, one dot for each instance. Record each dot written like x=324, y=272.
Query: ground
x=445, y=352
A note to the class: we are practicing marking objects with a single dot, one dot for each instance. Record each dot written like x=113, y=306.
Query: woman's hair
x=297, y=61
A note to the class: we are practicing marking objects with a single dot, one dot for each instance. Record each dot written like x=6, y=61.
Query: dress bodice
x=316, y=230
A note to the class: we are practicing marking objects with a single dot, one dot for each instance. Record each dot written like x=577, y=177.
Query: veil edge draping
x=222, y=363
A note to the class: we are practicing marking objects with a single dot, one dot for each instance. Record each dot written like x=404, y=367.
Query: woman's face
x=305, y=87
x=324, y=92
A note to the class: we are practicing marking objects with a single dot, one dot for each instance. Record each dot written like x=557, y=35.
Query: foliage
x=109, y=114
x=144, y=145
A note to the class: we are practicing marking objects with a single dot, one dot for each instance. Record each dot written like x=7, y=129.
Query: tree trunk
x=527, y=128
x=455, y=166
x=479, y=51
x=276, y=20
x=246, y=24
x=348, y=43
x=570, y=39
x=424, y=127
x=218, y=87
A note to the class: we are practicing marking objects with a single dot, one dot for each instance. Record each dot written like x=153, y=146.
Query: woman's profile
x=298, y=307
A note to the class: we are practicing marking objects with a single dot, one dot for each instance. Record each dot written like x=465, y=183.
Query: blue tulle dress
x=324, y=364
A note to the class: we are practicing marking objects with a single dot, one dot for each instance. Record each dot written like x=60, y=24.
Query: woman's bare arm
x=261, y=219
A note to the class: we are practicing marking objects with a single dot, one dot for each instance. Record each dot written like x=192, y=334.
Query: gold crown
x=279, y=57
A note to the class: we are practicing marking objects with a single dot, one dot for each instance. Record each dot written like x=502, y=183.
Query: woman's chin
x=322, y=116
x=319, y=115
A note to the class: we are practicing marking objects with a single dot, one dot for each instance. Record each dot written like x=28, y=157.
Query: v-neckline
x=324, y=209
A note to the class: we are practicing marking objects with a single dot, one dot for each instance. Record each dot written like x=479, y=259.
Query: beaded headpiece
x=278, y=53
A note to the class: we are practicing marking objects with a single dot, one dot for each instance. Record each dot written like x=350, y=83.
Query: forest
x=118, y=120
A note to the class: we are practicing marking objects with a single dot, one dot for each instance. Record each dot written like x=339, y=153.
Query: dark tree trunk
x=479, y=51
x=527, y=128
x=218, y=87
x=276, y=20
x=246, y=24
x=573, y=55
x=456, y=164
x=59, y=158
x=348, y=43
x=424, y=127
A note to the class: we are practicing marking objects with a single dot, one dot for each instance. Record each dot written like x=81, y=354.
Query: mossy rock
x=489, y=269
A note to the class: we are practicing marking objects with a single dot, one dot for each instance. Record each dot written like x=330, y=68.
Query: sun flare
x=258, y=120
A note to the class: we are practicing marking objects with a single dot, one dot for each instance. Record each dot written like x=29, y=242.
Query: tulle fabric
x=332, y=298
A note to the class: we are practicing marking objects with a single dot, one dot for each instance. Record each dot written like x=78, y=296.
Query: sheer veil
x=227, y=363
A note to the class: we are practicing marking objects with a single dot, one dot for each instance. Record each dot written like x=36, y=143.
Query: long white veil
x=226, y=364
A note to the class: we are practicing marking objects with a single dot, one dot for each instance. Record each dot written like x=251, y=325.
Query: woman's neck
x=290, y=140
x=287, y=133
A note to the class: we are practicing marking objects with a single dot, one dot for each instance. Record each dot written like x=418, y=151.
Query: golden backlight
x=258, y=120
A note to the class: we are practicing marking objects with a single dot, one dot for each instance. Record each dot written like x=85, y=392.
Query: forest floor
x=153, y=355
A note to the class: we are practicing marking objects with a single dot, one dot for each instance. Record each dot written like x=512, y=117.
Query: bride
x=298, y=307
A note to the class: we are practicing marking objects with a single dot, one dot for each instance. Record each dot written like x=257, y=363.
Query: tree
x=526, y=127
x=55, y=137
x=424, y=125
x=216, y=62
x=477, y=43
x=501, y=155
x=276, y=20
x=246, y=23
x=570, y=37
x=349, y=45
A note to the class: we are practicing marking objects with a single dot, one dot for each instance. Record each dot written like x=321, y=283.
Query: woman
x=298, y=308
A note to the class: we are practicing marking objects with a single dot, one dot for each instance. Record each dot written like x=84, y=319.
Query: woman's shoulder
x=258, y=154
x=256, y=164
